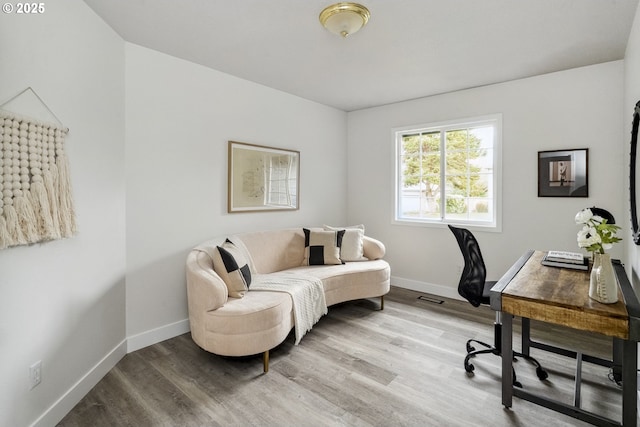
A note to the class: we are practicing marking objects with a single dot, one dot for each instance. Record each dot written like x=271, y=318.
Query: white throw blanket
x=307, y=293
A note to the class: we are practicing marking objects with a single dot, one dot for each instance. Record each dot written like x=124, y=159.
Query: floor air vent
x=430, y=299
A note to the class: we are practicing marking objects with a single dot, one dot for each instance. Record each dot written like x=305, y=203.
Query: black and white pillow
x=232, y=266
x=322, y=247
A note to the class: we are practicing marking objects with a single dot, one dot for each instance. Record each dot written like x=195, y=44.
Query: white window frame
x=495, y=120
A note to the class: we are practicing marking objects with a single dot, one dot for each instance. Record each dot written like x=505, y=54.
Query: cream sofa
x=261, y=320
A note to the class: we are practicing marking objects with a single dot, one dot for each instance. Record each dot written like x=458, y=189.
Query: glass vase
x=603, y=285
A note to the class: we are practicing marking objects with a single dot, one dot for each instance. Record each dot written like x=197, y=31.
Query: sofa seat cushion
x=257, y=311
x=249, y=325
x=350, y=281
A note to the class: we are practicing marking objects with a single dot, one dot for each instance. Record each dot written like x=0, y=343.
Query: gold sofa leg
x=265, y=361
x=382, y=302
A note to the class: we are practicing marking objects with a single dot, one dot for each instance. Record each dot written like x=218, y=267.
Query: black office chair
x=604, y=214
x=475, y=289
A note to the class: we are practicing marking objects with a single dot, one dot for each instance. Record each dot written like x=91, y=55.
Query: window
x=448, y=173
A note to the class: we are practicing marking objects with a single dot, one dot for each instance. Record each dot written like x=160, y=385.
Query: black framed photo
x=563, y=173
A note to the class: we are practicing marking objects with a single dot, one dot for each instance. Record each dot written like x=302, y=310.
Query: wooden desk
x=561, y=296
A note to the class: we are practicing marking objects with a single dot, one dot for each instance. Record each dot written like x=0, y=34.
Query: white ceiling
x=409, y=49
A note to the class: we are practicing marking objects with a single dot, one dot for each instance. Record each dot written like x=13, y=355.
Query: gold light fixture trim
x=344, y=18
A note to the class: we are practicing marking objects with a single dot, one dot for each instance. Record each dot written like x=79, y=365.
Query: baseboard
x=427, y=288
x=147, y=338
x=71, y=397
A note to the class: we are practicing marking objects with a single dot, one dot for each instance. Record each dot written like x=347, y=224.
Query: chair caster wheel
x=541, y=373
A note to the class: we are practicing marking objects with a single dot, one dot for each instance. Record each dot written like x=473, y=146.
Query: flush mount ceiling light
x=344, y=18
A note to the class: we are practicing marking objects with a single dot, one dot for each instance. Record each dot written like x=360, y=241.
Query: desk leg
x=629, y=382
x=507, y=359
x=526, y=336
x=618, y=345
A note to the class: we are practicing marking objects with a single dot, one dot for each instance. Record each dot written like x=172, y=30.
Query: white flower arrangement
x=596, y=235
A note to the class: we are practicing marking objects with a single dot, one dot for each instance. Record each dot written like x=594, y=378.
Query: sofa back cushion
x=275, y=250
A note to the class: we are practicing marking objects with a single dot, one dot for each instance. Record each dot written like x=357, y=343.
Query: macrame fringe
x=50, y=184
x=40, y=204
x=67, y=214
x=5, y=240
x=13, y=226
x=27, y=219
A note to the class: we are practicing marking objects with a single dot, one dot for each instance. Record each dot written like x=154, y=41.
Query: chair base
x=472, y=352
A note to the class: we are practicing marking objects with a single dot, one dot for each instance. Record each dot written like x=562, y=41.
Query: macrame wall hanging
x=36, y=204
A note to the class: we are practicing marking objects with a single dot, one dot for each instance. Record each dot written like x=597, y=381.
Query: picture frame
x=262, y=178
x=563, y=173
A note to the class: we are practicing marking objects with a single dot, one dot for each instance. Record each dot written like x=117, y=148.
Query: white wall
x=62, y=302
x=179, y=118
x=631, y=96
x=579, y=108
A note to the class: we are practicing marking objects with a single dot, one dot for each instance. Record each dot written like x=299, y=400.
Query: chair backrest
x=604, y=214
x=474, y=273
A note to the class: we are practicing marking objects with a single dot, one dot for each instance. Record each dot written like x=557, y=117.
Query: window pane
x=431, y=186
x=480, y=185
x=410, y=144
x=481, y=160
x=457, y=162
x=431, y=164
x=410, y=202
x=457, y=185
x=456, y=140
x=480, y=209
x=432, y=182
x=484, y=135
x=431, y=208
x=456, y=207
x=411, y=180
x=414, y=203
x=431, y=142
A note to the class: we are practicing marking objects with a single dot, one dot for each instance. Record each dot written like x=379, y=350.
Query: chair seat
x=486, y=292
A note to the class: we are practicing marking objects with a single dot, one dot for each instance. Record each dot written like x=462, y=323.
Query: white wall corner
x=147, y=338
x=79, y=390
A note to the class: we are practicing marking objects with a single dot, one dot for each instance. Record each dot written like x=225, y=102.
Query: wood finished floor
x=358, y=367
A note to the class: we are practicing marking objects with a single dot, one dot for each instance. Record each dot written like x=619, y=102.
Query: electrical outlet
x=35, y=374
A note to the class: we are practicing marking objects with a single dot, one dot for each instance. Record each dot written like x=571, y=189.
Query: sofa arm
x=373, y=249
x=206, y=291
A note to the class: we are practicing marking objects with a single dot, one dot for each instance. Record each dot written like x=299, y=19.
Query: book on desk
x=563, y=259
